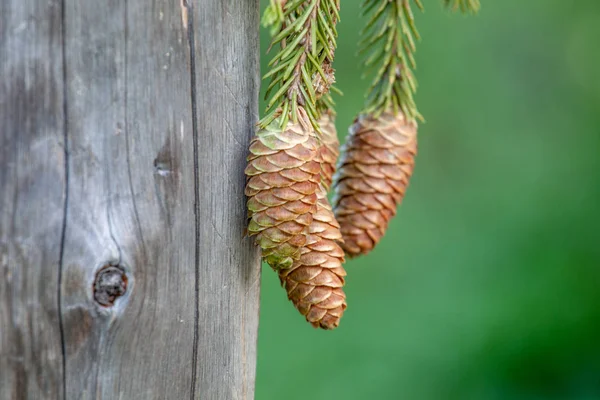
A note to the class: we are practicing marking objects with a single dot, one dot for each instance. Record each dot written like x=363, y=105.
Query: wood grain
x=161, y=101
x=32, y=197
x=226, y=48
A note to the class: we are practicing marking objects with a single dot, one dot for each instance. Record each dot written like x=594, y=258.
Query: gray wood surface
x=155, y=289
x=32, y=196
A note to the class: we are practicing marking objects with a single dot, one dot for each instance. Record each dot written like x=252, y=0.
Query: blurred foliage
x=486, y=285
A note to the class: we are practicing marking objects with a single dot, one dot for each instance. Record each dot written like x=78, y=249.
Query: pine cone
x=330, y=148
x=283, y=180
x=314, y=282
x=374, y=171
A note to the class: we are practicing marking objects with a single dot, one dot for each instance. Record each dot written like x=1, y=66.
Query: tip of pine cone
x=322, y=305
x=330, y=321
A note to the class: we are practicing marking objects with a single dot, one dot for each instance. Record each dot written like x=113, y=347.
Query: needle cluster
x=388, y=45
x=300, y=73
x=465, y=6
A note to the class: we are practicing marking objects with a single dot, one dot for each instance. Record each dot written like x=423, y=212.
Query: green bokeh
x=486, y=285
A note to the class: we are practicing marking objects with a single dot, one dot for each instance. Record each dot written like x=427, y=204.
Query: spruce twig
x=388, y=44
x=300, y=72
x=465, y=6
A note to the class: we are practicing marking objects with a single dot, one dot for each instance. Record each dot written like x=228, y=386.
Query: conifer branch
x=388, y=43
x=465, y=6
x=326, y=103
x=300, y=73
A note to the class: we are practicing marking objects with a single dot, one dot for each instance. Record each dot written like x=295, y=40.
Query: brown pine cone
x=375, y=167
x=314, y=282
x=330, y=148
x=283, y=178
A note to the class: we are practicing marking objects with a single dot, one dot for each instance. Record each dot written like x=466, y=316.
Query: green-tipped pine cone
x=314, y=282
x=330, y=148
x=374, y=171
x=283, y=179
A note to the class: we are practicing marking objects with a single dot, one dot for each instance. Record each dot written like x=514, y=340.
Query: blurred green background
x=486, y=285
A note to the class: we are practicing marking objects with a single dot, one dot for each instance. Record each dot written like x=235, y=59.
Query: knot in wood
x=110, y=283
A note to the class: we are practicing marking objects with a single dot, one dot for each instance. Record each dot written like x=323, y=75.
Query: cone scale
x=314, y=283
x=373, y=174
x=283, y=180
x=330, y=148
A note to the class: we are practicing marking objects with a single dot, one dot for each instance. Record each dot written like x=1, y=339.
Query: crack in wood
x=188, y=6
x=63, y=20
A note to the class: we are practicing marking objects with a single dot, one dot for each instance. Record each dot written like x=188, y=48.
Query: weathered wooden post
x=124, y=272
